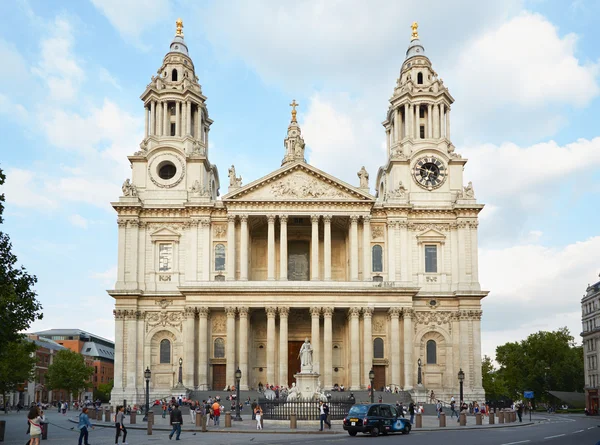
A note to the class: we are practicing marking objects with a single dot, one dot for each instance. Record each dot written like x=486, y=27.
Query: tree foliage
x=103, y=391
x=18, y=304
x=17, y=363
x=69, y=372
x=542, y=362
x=493, y=382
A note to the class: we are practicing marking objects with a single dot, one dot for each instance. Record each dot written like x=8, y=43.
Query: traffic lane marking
x=580, y=431
x=514, y=443
x=552, y=437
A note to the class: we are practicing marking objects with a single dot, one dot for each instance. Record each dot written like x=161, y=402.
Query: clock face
x=429, y=172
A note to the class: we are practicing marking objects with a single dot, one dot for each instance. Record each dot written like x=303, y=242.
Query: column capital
x=353, y=219
x=367, y=312
x=189, y=312
x=328, y=312
x=392, y=224
x=230, y=311
x=315, y=311
x=394, y=312
x=271, y=311
x=244, y=218
x=243, y=311
x=327, y=219
x=353, y=312
x=284, y=311
x=283, y=219
x=408, y=313
x=367, y=219
x=271, y=219
x=119, y=314
x=203, y=311
x=231, y=218
x=314, y=218
x=205, y=222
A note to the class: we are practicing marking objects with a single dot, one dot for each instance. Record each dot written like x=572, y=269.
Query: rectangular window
x=431, y=259
x=422, y=131
x=165, y=257
x=173, y=129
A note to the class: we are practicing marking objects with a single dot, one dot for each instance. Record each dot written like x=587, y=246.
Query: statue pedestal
x=307, y=384
x=419, y=394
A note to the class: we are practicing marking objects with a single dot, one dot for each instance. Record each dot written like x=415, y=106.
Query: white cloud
x=78, y=221
x=133, y=17
x=105, y=76
x=108, y=277
x=12, y=110
x=24, y=189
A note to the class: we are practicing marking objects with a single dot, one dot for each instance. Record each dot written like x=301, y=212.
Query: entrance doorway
x=293, y=360
x=298, y=261
x=379, y=380
x=219, y=380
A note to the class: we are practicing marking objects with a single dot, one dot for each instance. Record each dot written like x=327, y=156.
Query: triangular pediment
x=298, y=182
x=164, y=233
x=431, y=235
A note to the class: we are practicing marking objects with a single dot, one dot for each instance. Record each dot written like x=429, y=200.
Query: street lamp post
x=147, y=375
x=461, y=379
x=238, y=377
x=372, y=378
x=180, y=371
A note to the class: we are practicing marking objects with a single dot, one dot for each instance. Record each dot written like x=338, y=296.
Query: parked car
x=375, y=419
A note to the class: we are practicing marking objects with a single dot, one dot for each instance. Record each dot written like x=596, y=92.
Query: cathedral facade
x=385, y=282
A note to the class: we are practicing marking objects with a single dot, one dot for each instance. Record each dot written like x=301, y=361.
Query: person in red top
x=216, y=412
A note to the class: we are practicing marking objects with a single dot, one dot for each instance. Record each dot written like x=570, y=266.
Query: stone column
x=353, y=248
x=271, y=312
x=188, y=115
x=408, y=314
x=442, y=126
x=436, y=121
x=353, y=314
x=476, y=317
x=230, y=249
x=122, y=223
x=463, y=327
x=199, y=124
x=203, y=348
x=153, y=117
x=367, y=248
x=394, y=313
x=206, y=250
x=314, y=250
x=327, y=369
x=406, y=112
x=243, y=349
x=327, y=247
x=448, y=123
x=417, y=121
x=271, y=249
x=166, y=119
x=230, y=348
x=191, y=263
x=159, y=119
x=398, y=125
x=119, y=349
x=244, y=247
x=188, y=347
x=474, y=254
x=131, y=256
x=388, y=143
x=429, y=122
x=132, y=364
x=406, y=252
x=283, y=257
x=408, y=118
x=391, y=248
x=315, y=340
x=146, y=121
x=177, y=119
x=283, y=345
x=368, y=344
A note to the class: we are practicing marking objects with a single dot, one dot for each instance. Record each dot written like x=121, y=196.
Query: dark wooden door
x=298, y=261
x=379, y=380
x=293, y=360
x=219, y=379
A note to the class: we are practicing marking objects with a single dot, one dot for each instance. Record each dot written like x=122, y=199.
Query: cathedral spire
x=293, y=143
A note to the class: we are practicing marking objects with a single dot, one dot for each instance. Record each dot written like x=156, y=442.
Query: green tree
x=69, y=372
x=543, y=361
x=493, y=382
x=103, y=391
x=17, y=362
x=18, y=304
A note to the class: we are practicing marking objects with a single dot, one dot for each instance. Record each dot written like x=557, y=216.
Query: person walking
x=120, y=425
x=453, y=410
x=164, y=410
x=323, y=411
x=258, y=416
x=176, y=421
x=35, y=418
x=411, y=411
x=520, y=412
x=83, y=425
x=216, y=413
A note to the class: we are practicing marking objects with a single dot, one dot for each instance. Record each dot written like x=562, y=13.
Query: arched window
x=165, y=351
x=420, y=78
x=219, y=257
x=378, y=348
x=431, y=352
x=174, y=75
x=377, y=258
x=219, y=348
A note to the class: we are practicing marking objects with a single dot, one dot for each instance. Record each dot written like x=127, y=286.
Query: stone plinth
x=307, y=384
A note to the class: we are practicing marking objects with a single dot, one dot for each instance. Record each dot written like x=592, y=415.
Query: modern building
x=590, y=319
x=99, y=353
x=377, y=281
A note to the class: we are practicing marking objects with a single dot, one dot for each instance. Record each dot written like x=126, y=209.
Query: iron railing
x=281, y=410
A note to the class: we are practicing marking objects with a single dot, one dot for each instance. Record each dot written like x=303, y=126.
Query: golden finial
x=294, y=104
x=179, y=24
x=415, y=33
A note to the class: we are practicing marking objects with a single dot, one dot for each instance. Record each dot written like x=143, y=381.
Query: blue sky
x=525, y=76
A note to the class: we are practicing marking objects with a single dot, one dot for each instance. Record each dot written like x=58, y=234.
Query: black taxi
x=375, y=419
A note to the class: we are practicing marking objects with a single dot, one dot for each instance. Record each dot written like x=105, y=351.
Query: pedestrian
x=84, y=424
x=411, y=411
x=520, y=412
x=35, y=418
x=193, y=411
x=258, y=416
x=120, y=425
x=216, y=408
x=176, y=420
x=453, y=409
x=323, y=412
x=253, y=406
x=438, y=408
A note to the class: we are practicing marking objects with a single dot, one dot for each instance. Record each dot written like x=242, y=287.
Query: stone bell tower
x=172, y=163
x=294, y=142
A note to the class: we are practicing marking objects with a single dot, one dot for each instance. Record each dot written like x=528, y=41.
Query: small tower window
x=420, y=78
x=422, y=132
x=421, y=112
x=377, y=252
x=174, y=75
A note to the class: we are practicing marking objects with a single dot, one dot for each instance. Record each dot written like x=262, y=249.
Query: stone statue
x=400, y=192
x=305, y=354
x=469, y=193
x=195, y=187
x=363, y=175
x=293, y=393
x=128, y=188
x=299, y=148
x=234, y=181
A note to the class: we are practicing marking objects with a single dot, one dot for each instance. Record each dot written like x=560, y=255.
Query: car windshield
x=358, y=410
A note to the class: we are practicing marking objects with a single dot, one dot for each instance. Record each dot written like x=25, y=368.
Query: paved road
x=557, y=430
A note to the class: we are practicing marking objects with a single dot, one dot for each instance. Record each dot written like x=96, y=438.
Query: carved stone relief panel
x=219, y=323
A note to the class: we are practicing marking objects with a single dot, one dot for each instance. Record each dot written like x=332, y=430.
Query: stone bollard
x=44, y=431
x=149, y=427
x=478, y=419
x=293, y=421
x=151, y=417
x=107, y=415
x=491, y=418
x=199, y=419
x=228, y=419
x=463, y=419
x=419, y=422
x=501, y=417
x=132, y=417
x=204, y=420
x=442, y=420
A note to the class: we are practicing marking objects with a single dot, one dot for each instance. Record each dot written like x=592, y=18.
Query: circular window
x=166, y=170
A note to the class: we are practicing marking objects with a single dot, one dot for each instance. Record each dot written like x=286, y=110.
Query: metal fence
x=281, y=410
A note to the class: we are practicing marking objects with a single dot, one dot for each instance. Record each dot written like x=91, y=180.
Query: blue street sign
x=528, y=394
